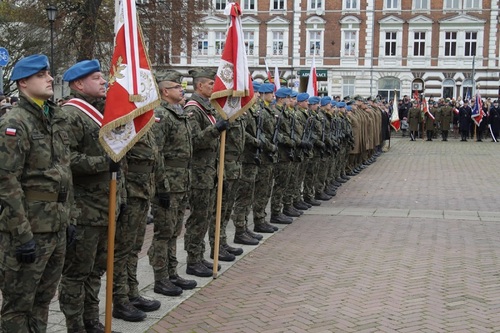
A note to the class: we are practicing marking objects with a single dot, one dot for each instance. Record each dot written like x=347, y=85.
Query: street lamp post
x=51, y=16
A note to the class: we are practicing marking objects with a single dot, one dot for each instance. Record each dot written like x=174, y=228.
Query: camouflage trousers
x=332, y=172
x=281, y=181
x=81, y=280
x=202, y=205
x=293, y=185
x=168, y=226
x=27, y=289
x=129, y=237
x=262, y=193
x=228, y=199
x=245, y=195
x=319, y=186
x=310, y=178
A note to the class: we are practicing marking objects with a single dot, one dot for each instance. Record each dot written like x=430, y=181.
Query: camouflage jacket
x=286, y=145
x=145, y=168
x=173, y=135
x=256, y=147
x=89, y=164
x=235, y=143
x=35, y=172
x=268, y=127
x=205, y=142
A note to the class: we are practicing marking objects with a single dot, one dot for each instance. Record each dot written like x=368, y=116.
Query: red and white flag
x=277, y=83
x=312, y=84
x=268, y=72
x=477, y=112
x=395, y=122
x=426, y=110
x=233, y=91
x=132, y=91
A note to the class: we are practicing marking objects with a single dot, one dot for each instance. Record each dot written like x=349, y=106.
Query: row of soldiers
x=291, y=149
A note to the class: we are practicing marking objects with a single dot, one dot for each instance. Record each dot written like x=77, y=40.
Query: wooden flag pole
x=111, y=251
x=218, y=209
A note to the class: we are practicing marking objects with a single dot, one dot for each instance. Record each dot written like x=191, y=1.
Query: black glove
x=70, y=235
x=25, y=253
x=222, y=125
x=164, y=200
x=114, y=166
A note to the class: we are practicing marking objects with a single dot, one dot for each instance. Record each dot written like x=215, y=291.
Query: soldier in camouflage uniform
x=324, y=114
x=35, y=180
x=255, y=152
x=144, y=169
x=268, y=158
x=445, y=119
x=312, y=165
x=86, y=260
x=206, y=128
x=173, y=135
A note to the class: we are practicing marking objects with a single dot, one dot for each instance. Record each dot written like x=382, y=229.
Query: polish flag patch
x=10, y=131
x=157, y=119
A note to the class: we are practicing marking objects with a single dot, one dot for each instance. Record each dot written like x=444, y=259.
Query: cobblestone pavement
x=411, y=244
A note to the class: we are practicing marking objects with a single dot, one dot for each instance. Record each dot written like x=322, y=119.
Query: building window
x=278, y=4
x=448, y=88
x=390, y=43
x=203, y=43
x=315, y=42
x=470, y=44
x=391, y=4
x=315, y=4
x=350, y=4
x=220, y=4
x=387, y=86
x=248, y=37
x=450, y=44
x=220, y=40
x=419, y=44
x=248, y=4
x=278, y=42
x=350, y=40
x=420, y=4
x=348, y=84
x=452, y=4
x=472, y=4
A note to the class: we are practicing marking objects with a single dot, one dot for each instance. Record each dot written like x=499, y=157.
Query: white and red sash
x=199, y=106
x=86, y=108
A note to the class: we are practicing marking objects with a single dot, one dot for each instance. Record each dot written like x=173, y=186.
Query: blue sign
x=4, y=56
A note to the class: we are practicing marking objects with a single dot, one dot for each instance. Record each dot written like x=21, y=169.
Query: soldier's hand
x=222, y=125
x=164, y=200
x=25, y=254
x=70, y=235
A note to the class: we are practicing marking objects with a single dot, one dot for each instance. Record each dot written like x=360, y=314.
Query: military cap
x=302, y=97
x=341, y=105
x=206, y=72
x=495, y=101
x=334, y=103
x=283, y=92
x=347, y=97
x=314, y=100
x=81, y=69
x=169, y=75
x=266, y=88
x=325, y=100
x=29, y=65
x=256, y=85
x=294, y=94
x=348, y=108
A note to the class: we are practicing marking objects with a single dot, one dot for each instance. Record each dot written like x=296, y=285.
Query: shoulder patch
x=157, y=119
x=10, y=131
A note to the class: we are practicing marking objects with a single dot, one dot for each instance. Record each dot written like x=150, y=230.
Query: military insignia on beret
x=10, y=131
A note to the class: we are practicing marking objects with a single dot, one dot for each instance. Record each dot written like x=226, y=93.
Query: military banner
x=312, y=84
x=395, y=122
x=477, y=112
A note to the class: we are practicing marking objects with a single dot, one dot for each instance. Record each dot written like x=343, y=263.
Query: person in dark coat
x=464, y=120
x=494, y=119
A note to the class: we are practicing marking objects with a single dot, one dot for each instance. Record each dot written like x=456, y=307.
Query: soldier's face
x=268, y=97
x=92, y=85
x=38, y=86
x=173, y=91
x=206, y=87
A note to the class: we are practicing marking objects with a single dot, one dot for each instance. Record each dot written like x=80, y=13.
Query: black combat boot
x=210, y=265
x=288, y=211
x=127, y=312
x=95, y=326
x=182, y=283
x=322, y=196
x=281, y=218
x=167, y=288
x=312, y=201
x=264, y=228
x=253, y=234
x=198, y=269
x=300, y=205
x=144, y=304
x=233, y=250
x=223, y=254
x=241, y=237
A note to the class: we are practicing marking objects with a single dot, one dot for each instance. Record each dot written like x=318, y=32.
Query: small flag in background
x=132, y=94
x=233, y=91
x=268, y=72
x=277, y=82
x=395, y=122
x=425, y=109
x=477, y=112
x=312, y=84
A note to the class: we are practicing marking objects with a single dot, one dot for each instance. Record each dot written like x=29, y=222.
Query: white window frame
x=349, y=49
x=392, y=5
x=419, y=41
x=392, y=41
x=246, y=4
x=470, y=44
x=220, y=39
x=275, y=42
x=350, y=4
x=451, y=41
x=452, y=4
x=348, y=86
x=315, y=4
x=472, y=4
x=278, y=2
x=219, y=3
x=246, y=34
x=203, y=39
x=315, y=37
x=421, y=4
